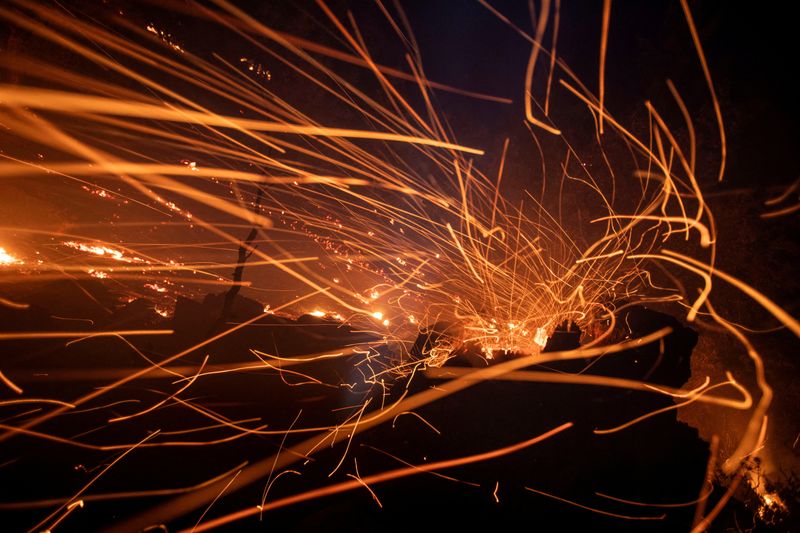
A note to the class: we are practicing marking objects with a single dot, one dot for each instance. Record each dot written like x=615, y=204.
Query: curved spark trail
x=380, y=252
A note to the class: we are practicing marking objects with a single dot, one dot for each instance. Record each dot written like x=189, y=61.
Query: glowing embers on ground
x=7, y=258
x=105, y=252
x=326, y=314
x=518, y=337
x=155, y=287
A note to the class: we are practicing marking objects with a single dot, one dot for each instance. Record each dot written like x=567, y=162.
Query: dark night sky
x=748, y=51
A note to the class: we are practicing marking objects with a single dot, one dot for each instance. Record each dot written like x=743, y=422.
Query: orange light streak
x=379, y=478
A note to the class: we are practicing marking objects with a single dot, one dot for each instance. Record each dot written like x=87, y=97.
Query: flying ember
x=339, y=265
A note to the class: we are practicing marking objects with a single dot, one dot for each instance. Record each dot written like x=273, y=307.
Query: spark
x=594, y=510
x=165, y=37
x=439, y=245
x=81, y=334
x=382, y=477
x=10, y=384
x=102, y=193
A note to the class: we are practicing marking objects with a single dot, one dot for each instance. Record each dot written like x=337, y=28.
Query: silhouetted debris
x=658, y=460
x=246, y=249
x=137, y=314
x=565, y=337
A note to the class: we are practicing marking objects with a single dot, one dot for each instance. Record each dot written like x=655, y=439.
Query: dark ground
x=657, y=461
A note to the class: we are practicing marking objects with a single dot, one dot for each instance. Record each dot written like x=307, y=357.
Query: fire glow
x=438, y=244
x=7, y=259
x=103, y=251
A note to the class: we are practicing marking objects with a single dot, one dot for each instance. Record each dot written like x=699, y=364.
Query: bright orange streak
x=378, y=478
x=36, y=400
x=12, y=304
x=598, y=511
x=17, y=335
x=781, y=212
x=72, y=501
x=67, y=102
x=257, y=471
x=588, y=379
x=126, y=167
x=544, y=12
x=117, y=495
x=785, y=194
x=673, y=407
x=717, y=111
x=11, y=385
x=552, y=69
x=603, y=45
x=128, y=378
x=776, y=311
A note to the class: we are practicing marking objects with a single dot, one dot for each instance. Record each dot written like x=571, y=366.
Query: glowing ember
x=8, y=259
x=256, y=68
x=102, y=193
x=541, y=337
x=165, y=37
x=104, y=251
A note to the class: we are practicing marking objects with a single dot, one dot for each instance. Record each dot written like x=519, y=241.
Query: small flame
x=155, y=287
x=103, y=251
x=541, y=337
x=8, y=259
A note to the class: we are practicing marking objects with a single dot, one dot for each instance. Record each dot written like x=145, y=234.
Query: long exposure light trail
x=380, y=478
x=384, y=254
